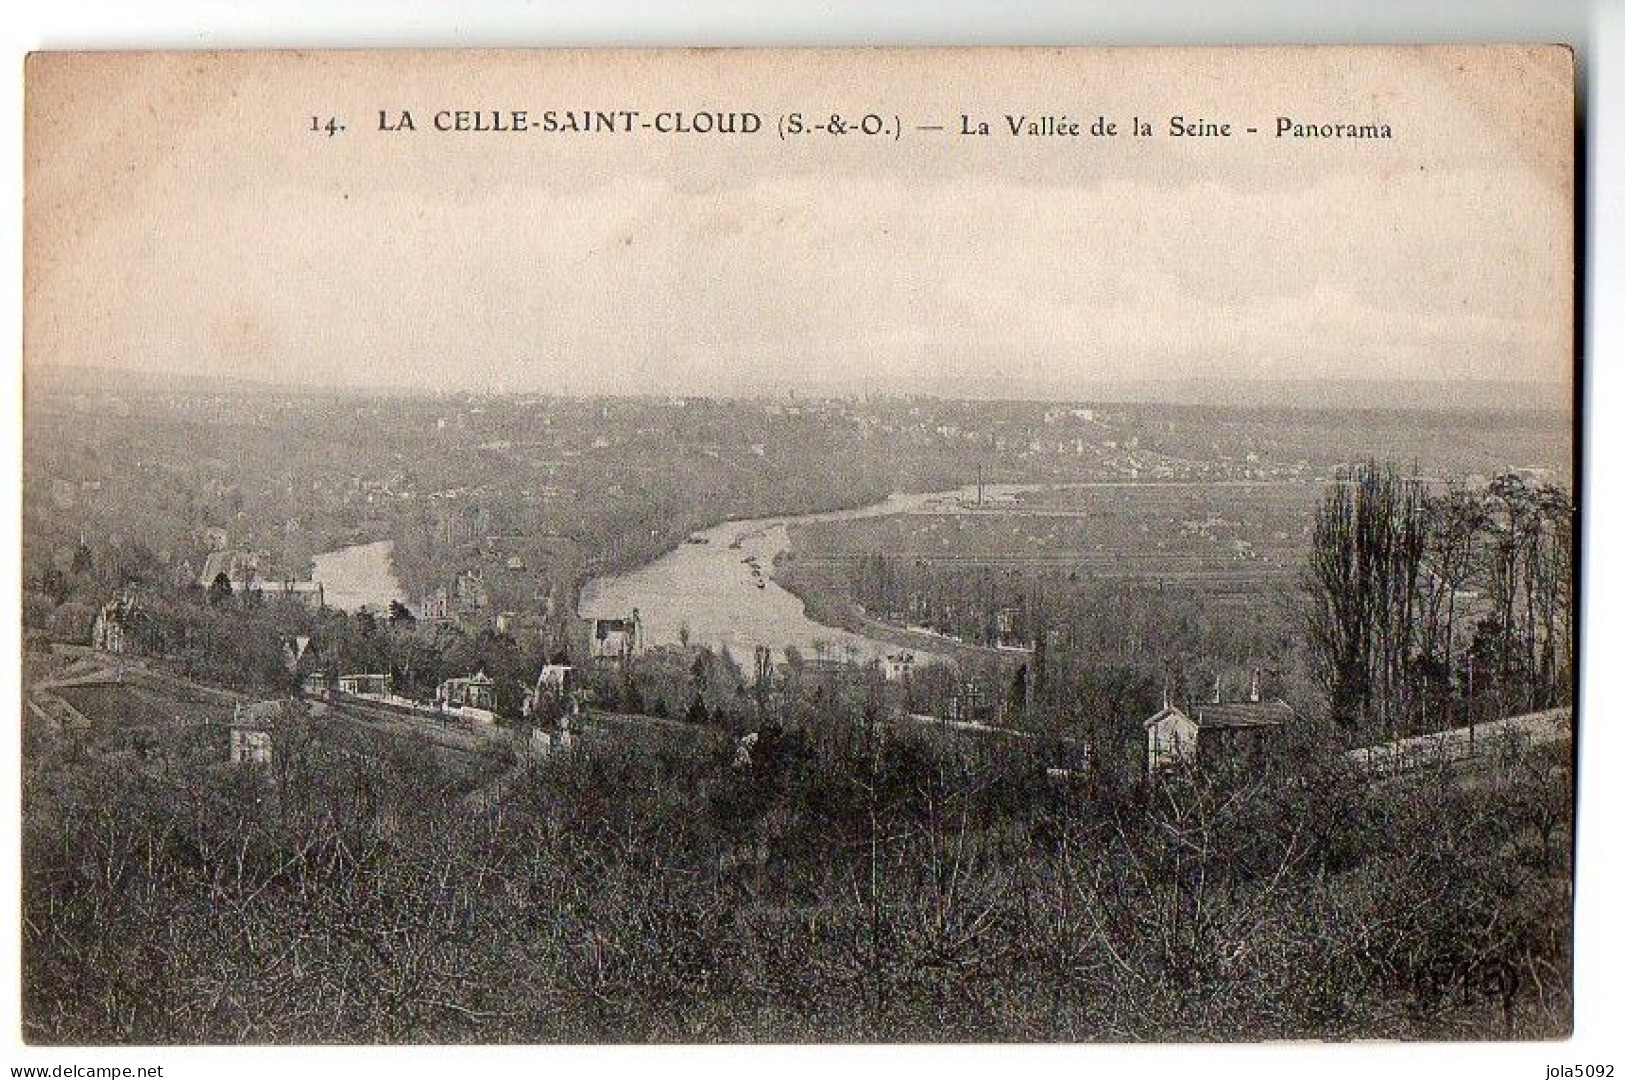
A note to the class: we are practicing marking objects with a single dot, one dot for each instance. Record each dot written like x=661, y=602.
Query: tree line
x=1435, y=608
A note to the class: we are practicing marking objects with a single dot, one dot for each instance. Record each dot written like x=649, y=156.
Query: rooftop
x=1240, y=714
x=1230, y=714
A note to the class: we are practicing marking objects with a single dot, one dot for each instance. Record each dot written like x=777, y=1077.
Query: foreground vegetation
x=863, y=884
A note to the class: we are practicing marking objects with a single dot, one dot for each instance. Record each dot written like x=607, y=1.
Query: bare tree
x=1370, y=537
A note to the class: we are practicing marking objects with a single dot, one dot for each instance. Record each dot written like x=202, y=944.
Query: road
x=1550, y=727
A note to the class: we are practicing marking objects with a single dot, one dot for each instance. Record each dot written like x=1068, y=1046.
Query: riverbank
x=716, y=592
x=844, y=612
x=673, y=541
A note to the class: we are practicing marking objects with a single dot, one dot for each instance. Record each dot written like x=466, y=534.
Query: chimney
x=1255, y=691
x=1216, y=680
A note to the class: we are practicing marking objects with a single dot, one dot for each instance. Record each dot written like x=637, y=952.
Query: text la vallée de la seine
x=871, y=124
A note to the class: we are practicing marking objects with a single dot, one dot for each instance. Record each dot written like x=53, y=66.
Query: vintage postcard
x=975, y=545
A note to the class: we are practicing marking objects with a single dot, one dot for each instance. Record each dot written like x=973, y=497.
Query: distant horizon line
x=1552, y=395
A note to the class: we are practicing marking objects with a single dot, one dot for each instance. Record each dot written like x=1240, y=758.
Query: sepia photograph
x=799, y=546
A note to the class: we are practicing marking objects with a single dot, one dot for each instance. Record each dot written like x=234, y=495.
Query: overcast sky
x=181, y=218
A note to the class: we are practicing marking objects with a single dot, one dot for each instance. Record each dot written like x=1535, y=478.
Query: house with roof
x=898, y=666
x=367, y=685
x=309, y=594
x=436, y=606
x=477, y=691
x=315, y=684
x=557, y=679
x=1219, y=730
x=250, y=745
x=617, y=639
x=252, y=731
x=473, y=697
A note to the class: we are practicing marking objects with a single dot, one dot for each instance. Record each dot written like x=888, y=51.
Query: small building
x=898, y=666
x=376, y=686
x=617, y=639
x=469, y=698
x=314, y=684
x=251, y=727
x=1215, y=731
x=307, y=594
x=250, y=745
x=436, y=607
x=1170, y=738
x=555, y=692
x=472, y=692
x=557, y=678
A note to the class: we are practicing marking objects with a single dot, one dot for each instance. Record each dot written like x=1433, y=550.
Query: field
x=1219, y=534
x=130, y=707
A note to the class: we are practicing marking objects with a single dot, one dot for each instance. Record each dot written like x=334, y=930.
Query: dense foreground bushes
x=861, y=885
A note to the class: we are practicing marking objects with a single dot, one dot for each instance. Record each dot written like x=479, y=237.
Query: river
x=723, y=592
x=361, y=575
